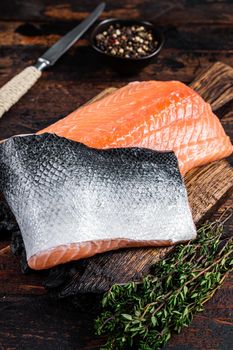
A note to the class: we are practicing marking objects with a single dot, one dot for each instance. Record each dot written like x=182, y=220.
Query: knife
x=14, y=89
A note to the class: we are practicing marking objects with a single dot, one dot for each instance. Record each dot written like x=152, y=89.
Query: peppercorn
x=126, y=41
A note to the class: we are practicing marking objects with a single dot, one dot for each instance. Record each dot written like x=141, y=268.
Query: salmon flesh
x=152, y=114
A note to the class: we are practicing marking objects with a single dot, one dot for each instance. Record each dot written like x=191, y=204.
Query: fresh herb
x=126, y=41
x=143, y=315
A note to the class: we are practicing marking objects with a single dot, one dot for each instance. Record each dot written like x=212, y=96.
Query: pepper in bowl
x=128, y=45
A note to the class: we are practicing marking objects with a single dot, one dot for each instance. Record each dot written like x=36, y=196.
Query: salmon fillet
x=72, y=201
x=152, y=114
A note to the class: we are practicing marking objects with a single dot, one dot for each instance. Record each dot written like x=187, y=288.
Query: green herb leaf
x=127, y=316
x=144, y=314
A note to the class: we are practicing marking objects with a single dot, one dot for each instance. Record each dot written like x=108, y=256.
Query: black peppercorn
x=126, y=41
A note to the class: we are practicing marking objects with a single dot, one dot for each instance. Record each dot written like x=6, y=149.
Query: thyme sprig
x=143, y=315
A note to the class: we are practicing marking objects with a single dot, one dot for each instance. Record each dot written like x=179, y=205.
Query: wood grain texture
x=167, y=11
x=38, y=323
x=198, y=33
x=206, y=187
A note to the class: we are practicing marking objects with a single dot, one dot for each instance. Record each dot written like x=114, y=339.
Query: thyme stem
x=143, y=314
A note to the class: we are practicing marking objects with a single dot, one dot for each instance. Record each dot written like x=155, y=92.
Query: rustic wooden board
x=206, y=187
x=165, y=11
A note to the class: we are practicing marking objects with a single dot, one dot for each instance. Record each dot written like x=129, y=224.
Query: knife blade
x=14, y=89
x=61, y=46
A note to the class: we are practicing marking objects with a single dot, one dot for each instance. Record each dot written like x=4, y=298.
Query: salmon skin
x=72, y=201
x=153, y=114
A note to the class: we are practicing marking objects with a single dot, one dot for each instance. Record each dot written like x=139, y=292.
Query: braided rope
x=12, y=91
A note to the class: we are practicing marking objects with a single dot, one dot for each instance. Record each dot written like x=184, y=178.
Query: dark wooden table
x=198, y=33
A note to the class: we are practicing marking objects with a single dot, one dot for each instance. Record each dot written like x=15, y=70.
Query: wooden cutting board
x=207, y=186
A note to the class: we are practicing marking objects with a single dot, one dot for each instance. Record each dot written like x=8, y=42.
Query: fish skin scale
x=91, y=200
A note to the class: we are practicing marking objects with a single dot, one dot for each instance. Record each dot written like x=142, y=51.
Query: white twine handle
x=15, y=88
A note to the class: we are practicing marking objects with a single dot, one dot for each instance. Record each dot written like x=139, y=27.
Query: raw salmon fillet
x=72, y=201
x=152, y=114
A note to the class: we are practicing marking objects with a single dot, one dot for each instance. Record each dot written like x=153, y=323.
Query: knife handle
x=15, y=88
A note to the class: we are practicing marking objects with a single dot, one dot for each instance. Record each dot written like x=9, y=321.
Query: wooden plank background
x=198, y=33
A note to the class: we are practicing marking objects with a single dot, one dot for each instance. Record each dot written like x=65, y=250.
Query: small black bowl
x=127, y=65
